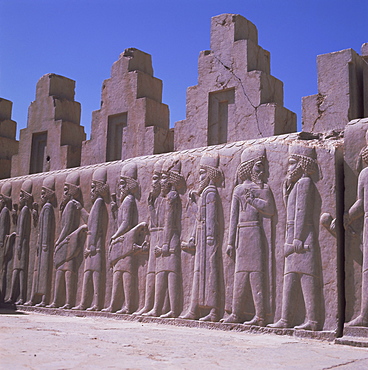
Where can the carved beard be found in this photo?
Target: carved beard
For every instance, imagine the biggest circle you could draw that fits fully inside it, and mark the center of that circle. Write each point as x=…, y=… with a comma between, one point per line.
x=123, y=193
x=293, y=176
x=203, y=184
x=165, y=188
x=155, y=192
x=257, y=178
x=64, y=201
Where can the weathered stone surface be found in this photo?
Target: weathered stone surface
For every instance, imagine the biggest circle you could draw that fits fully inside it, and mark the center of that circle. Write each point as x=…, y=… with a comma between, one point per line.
x=131, y=108
x=53, y=137
x=8, y=144
x=236, y=97
x=341, y=84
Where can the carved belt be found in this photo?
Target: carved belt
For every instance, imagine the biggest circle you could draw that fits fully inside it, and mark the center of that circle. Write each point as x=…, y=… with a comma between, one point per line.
x=248, y=224
x=156, y=228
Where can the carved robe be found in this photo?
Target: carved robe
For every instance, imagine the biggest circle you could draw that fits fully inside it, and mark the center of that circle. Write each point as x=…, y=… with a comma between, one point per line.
x=127, y=219
x=69, y=247
x=4, y=225
x=246, y=228
x=22, y=239
x=156, y=229
x=45, y=243
x=97, y=222
x=299, y=225
x=169, y=215
x=205, y=263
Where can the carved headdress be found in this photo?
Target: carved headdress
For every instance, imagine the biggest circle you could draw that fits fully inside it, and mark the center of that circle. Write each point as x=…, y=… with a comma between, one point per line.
x=129, y=174
x=172, y=168
x=48, y=185
x=72, y=180
x=248, y=158
x=306, y=156
x=99, y=178
x=6, y=193
x=210, y=164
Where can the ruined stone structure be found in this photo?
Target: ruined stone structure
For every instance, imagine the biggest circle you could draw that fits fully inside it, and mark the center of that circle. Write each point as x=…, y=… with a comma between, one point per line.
x=246, y=224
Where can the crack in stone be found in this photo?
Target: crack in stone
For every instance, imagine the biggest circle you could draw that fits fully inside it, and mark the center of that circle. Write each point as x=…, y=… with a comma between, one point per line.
x=320, y=99
x=345, y=363
x=244, y=92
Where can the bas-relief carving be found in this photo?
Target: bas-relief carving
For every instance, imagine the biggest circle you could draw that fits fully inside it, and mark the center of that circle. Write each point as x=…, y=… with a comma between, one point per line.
x=252, y=201
x=45, y=244
x=125, y=242
x=69, y=243
x=359, y=210
x=18, y=287
x=300, y=248
x=5, y=242
x=94, y=253
x=168, y=250
x=204, y=242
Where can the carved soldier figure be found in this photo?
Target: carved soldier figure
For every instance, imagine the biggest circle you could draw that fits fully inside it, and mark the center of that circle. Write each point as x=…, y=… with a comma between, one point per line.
x=123, y=243
x=45, y=244
x=252, y=201
x=357, y=210
x=5, y=223
x=167, y=250
x=95, y=246
x=70, y=241
x=154, y=232
x=300, y=240
x=21, y=249
x=205, y=242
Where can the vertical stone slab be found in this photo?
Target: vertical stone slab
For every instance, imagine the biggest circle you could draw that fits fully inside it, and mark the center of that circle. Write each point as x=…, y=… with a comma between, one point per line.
x=131, y=111
x=8, y=144
x=340, y=98
x=53, y=137
x=236, y=98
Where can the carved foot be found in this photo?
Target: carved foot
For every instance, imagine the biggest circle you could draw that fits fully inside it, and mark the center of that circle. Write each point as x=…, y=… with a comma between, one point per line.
x=66, y=306
x=189, y=316
x=93, y=308
x=309, y=325
x=29, y=303
x=210, y=317
x=52, y=305
x=169, y=315
x=9, y=301
x=19, y=302
x=41, y=304
x=141, y=311
x=80, y=307
x=258, y=321
x=283, y=324
x=153, y=312
x=108, y=309
x=358, y=321
x=233, y=318
x=124, y=311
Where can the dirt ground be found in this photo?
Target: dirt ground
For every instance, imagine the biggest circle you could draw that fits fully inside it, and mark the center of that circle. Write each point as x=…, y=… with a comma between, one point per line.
x=38, y=341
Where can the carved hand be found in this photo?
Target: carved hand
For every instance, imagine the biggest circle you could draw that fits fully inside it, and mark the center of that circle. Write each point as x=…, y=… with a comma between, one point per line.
x=77, y=204
x=165, y=250
x=210, y=240
x=298, y=245
x=114, y=206
x=249, y=197
x=230, y=251
x=86, y=253
x=157, y=251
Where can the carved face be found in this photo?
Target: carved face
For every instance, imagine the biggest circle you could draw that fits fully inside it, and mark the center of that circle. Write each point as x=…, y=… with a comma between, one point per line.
x=204, y=179
x=2, y=202
x=294, y=171
x=43, y=196
x=66, y=190
x=202, y=174
x=257, y=172
x=155, y=184
x=22, y=199
x=123, y=188
x=165, y=184
x=94, y=192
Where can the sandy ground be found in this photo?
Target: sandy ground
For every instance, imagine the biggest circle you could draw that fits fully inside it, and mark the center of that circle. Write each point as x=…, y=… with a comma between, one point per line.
x=38, y=341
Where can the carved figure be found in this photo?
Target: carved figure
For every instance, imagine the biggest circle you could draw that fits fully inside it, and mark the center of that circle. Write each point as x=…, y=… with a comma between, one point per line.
x=154, y=232
x=21, y=249
x=5, y=223
x=96, y=237
x=300, y=240
x=124, y=242
x=205, y=242
x=252, y=201
x=167, y=250
x=70, y=241
x=45, y=244
x=357, y=210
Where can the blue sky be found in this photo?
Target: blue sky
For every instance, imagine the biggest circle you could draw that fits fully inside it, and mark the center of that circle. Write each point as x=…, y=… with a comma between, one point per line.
x=81, y=39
